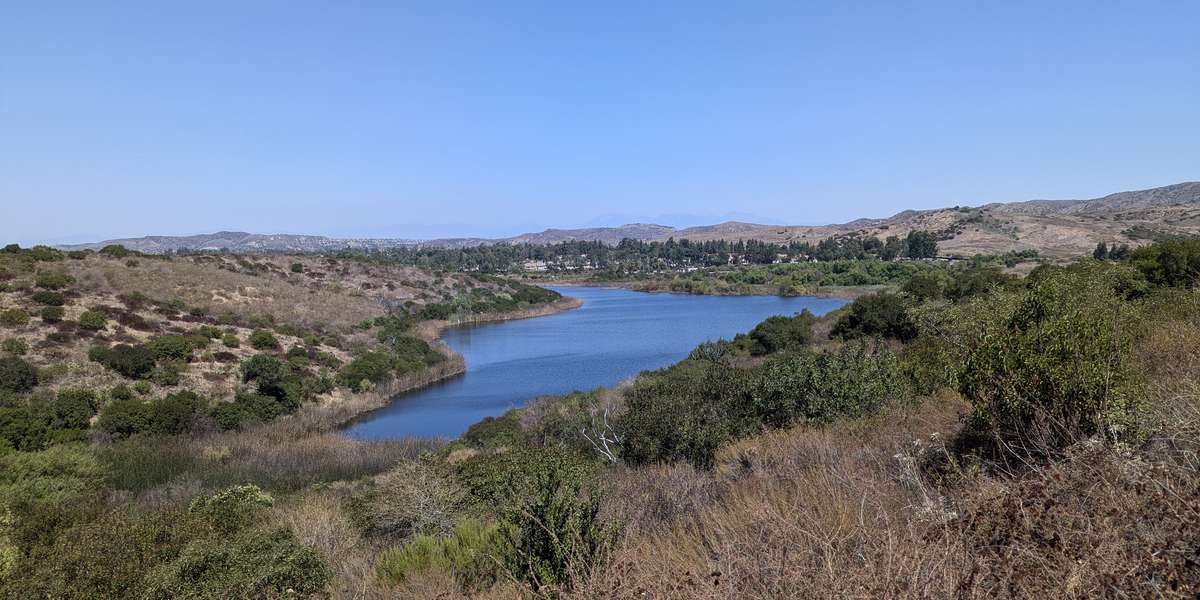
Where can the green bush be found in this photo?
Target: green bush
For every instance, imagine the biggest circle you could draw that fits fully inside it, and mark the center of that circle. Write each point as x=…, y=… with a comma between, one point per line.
x=924, y=286
x=262, y=339
x=232, y=509
x=877, y=315
x=53, y=280
x=92, y=320
x=49, y=298
x=52, y=314
x=782, y=333
x=254, y=564
x=976, y=281
x=73, y=408
x=820, y=387
x=134, y=362
x=685, y=413
x=175, y=413
x=1173, y=263
x=171, y=347
x=115, y=251
x=555, y=535
x=468, y=555
x=16, y=375
x=169, y=553
x=272, y=378
x=14, y=317
x=1053, y=365
x=296, y=268
x=230, y=340
x=246, y=409
x=123, y=418
x=15, y=346
x=372, y=367
x=168, y=373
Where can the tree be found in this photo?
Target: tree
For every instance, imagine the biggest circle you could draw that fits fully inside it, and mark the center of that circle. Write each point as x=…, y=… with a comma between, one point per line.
x=1101, y=251
x=921, y=244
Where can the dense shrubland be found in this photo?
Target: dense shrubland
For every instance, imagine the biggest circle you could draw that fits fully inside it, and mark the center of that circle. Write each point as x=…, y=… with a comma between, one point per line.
x=145, y=437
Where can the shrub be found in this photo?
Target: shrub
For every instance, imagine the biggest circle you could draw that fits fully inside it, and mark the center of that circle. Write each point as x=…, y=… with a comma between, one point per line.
x=131, y=361
x=208, y=332
x=246, y=408
x=413, y=499
x=296, y=268
x=272, y=378
x=171, y=347
x=230, y=340
x=923, y=286
x=233, y=508
x=168, y=374
x=371, y=367
x=820, y=387
x=254, y=564
x=1173, y=263
x=781, y=333
x=115, y=251
x=14, y=317
x=16, y=375
x=15, y=346
x=1053, y=365
x=971, y=282
x=134, y=300
x=53, y=280
x=52, y=314
x=123, y=418
x=877, y=315
x=555, y=534
x=92, y=320
x=73, y=408
x=467, y=555
x=262, y=339
x=685, y=413
x=48, y=298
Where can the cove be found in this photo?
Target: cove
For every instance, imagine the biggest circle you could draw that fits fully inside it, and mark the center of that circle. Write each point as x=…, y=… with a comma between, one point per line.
x=613, y=336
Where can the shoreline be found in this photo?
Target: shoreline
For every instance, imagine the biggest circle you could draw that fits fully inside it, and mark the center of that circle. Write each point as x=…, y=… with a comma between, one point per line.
x=353, y=407
x=840, y=292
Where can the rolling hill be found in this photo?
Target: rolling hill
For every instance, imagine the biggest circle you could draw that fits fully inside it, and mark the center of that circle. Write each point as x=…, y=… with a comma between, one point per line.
x=1055, y=228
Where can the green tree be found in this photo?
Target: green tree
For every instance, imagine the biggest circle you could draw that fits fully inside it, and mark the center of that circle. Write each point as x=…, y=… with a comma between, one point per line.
x=877, y=315
x=921, y=244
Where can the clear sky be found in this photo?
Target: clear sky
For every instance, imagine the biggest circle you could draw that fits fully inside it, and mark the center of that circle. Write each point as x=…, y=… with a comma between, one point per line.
x=405, y=119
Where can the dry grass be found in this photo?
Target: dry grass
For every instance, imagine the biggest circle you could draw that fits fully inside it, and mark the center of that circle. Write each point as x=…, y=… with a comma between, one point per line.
x=847, y=512
x=319, y=521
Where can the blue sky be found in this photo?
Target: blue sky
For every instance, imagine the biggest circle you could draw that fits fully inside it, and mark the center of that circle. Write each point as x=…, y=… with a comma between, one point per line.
x=404, y=119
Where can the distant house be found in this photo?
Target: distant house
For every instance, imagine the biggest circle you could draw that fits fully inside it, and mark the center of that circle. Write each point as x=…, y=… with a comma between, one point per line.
x=534, y=265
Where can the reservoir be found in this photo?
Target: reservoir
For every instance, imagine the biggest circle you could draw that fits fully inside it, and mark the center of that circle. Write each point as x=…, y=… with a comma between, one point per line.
x=615, y=335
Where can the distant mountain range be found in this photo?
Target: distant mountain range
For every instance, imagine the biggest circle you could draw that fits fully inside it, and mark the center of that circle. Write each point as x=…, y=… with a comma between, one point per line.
x=1057, y=228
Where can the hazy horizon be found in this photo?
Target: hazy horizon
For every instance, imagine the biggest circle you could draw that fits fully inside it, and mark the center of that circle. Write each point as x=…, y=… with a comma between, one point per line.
x=462, y=120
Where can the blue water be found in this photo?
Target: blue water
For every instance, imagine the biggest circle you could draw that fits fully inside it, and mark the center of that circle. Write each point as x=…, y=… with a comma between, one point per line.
x=615, y=334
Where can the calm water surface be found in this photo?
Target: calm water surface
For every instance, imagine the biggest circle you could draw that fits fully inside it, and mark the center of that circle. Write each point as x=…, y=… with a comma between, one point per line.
x=615, y=334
